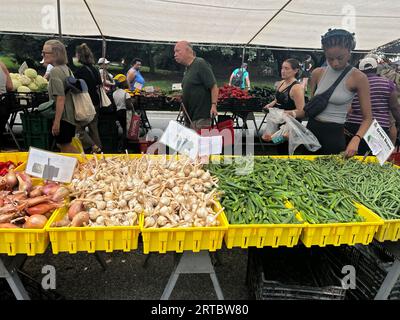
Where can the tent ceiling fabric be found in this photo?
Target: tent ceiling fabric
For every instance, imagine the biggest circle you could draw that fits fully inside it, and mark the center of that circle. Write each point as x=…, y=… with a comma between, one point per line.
x=299, y=25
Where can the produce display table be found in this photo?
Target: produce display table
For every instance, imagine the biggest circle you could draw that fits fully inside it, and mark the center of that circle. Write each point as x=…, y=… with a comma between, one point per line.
x=20, y=102
x=191, y=263
x=394, y=272
x=281, y=201
x=9, y=271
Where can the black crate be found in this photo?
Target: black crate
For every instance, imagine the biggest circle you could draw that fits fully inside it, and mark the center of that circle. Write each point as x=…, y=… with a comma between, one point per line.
x=291, y=274
x=42, y=141
x=36, y=131
x=371, y=264
x=35, y=124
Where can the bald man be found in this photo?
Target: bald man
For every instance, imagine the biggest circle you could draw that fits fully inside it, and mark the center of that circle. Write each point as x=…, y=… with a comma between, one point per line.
x=200, y=90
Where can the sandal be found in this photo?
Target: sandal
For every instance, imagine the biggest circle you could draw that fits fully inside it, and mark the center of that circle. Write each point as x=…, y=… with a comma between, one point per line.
x=96, y=149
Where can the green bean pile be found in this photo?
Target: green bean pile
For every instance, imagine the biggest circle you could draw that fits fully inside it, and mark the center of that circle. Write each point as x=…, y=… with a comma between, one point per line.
x=322, y=190
x=377, y=187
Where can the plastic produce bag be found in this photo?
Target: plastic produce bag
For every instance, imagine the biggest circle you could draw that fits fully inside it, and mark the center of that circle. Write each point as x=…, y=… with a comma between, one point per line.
x=299, y=134
x=272, y=121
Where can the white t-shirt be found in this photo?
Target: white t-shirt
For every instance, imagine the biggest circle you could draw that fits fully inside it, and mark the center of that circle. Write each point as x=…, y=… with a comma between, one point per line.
x=48, y=69
x=120, y=97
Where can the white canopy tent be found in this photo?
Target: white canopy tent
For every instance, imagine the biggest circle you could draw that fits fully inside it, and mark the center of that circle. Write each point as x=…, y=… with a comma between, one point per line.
x=272, y=23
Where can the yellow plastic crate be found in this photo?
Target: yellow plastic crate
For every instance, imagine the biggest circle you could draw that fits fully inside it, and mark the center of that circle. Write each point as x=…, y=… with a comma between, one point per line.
x=342, y=233
x=24, y=241
x=15, y=157
x=390, y=230
x=91, y=239
x=179, y=239
x=263, y=235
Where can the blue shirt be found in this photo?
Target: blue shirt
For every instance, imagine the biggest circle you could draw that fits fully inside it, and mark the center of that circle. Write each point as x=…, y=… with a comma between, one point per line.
x=244, y=76
x=138, y=78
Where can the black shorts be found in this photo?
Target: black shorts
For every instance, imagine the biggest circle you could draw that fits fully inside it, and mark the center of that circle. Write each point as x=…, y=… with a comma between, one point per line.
x=330, y=135
x=67, y=132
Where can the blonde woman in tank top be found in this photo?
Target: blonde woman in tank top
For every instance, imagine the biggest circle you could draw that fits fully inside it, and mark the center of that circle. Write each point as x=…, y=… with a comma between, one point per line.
x=328, y=126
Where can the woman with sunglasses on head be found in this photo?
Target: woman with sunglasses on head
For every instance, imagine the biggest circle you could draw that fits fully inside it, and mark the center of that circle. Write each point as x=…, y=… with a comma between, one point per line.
x=328, y=126
x=63, y=128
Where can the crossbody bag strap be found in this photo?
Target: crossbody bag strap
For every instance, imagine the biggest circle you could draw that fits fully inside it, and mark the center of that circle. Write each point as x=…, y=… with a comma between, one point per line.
x=91, y=72
x=340, y=78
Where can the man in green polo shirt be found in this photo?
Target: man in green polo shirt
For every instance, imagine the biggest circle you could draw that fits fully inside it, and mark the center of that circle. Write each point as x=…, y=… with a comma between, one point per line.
x=199, y=87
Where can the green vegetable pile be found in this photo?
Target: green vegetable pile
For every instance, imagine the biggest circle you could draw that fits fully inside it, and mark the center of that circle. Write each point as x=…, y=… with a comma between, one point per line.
x=324, y=190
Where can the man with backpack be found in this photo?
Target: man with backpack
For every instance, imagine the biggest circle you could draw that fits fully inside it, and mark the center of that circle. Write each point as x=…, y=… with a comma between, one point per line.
x=240, y=77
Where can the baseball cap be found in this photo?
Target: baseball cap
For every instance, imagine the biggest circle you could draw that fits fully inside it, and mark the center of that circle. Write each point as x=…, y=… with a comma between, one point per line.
x=120, y=77
x=368, y=63
x=103, y=60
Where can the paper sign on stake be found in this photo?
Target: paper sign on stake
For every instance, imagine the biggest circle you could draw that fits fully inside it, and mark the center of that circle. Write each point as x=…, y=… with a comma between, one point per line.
x=187, y=141
x=379, y=142
x=181, y=139
x=50, y=166
x=138, y=86
x=176, y=86
x=22, y=68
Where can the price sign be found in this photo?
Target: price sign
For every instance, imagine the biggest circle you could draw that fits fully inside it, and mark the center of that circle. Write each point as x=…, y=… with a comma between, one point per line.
x=50, y=166
x=379, y=142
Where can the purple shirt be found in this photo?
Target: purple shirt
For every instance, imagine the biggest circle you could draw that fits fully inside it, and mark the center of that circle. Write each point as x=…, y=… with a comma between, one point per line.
x=380, y=90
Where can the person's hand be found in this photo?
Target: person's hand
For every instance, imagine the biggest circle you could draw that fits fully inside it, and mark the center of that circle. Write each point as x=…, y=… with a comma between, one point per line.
x=213, y=111
x=291, y=113
x=55, y=130
x=352, y=147
x=267, y=106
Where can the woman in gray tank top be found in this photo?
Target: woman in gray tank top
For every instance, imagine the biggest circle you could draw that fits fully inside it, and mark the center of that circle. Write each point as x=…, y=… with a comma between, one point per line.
x=328, y=126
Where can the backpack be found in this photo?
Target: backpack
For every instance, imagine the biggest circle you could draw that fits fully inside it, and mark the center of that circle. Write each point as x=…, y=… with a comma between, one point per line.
x=237, y=79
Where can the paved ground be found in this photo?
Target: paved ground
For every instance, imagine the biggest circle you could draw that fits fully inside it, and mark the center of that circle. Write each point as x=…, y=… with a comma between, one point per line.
x=80, y=276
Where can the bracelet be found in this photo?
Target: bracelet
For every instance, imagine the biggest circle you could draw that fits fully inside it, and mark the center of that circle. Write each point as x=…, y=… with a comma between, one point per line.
x=358, y=136
x=213, y=103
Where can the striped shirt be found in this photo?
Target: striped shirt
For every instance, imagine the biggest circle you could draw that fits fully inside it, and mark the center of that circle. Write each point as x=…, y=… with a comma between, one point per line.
x=380, y=90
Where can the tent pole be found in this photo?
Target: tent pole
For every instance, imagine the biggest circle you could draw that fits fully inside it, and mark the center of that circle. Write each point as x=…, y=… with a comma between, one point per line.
x=268, y=22
x=59, y=20
x=244, y=51
x=104, y=44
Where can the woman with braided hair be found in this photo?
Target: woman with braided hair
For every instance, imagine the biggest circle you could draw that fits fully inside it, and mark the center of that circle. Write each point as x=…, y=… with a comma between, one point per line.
x=328, y=126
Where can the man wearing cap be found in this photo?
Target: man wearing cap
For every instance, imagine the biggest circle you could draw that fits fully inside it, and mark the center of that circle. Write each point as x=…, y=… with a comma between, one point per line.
x=383, y=102
x=243, y=75
x=123, y=102
x=106, y=77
